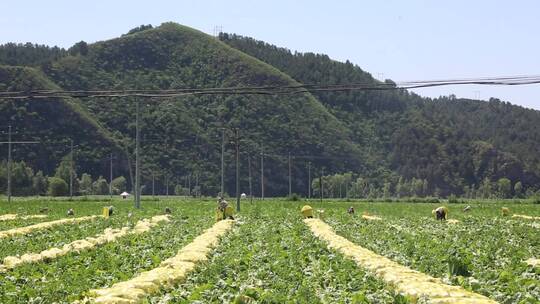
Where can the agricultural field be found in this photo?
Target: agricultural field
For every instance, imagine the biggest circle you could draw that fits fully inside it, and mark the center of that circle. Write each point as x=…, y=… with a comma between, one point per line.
x=268, y=255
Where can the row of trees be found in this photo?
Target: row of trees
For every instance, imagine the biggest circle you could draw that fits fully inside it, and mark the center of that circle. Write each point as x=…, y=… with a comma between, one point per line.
x=25, y=182
x=351, y=186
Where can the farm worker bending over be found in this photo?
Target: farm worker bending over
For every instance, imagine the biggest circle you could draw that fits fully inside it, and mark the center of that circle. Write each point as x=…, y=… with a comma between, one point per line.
x=440, y=213
x=224, y=211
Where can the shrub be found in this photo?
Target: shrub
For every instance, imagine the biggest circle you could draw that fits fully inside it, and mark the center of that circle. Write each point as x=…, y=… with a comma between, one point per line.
x=57, y=187
x=294, y=197
x=452, y=199
x=179, y=190
x=100, y=186
x=432, y=200
x=119, y=185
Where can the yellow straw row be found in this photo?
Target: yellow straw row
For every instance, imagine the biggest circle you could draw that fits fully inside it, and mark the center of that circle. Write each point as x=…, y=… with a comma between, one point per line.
x=371, y=217
x=44, y=225
x=533, y=262
x=10, y=217
x=526, y=217
x=109, y=235
x=413, y=284
x=170, y=272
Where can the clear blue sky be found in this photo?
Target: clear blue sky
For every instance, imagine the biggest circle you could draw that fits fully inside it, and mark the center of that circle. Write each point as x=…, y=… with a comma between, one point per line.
x=401, y=40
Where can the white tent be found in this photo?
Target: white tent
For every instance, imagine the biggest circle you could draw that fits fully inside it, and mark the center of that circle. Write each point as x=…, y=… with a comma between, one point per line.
x=124, y=194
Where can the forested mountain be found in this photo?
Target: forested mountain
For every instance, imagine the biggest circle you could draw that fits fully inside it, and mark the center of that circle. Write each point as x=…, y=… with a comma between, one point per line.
x=181, y=136
x=385, y=139
x=453, y=143
x=54, y=122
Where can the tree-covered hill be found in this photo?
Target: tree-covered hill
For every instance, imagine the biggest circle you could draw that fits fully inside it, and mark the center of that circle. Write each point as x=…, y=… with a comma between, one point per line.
x=53, y=122
x=433, y=139
x=392, y=142
x=181, y=136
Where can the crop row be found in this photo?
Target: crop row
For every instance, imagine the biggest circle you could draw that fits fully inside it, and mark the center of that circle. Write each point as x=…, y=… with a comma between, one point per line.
x=415, y=285
x=274, y=258
x=170, y=271
x=485, y=255
x=109, y=235
x=69, y=277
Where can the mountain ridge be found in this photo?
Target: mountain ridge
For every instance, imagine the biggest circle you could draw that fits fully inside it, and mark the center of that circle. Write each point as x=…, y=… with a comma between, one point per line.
x=379, y=136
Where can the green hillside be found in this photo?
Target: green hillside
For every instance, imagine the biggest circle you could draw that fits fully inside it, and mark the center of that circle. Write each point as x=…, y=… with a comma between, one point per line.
x=182, y=136
x=442, y=140
x=387, y=140
x=54, y=123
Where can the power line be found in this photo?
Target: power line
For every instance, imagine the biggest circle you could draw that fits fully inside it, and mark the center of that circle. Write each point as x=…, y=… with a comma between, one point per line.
x=270, y=90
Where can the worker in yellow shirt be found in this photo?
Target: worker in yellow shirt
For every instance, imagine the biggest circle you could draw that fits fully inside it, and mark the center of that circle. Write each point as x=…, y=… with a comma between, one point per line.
x=224, y=210
x=440, y=213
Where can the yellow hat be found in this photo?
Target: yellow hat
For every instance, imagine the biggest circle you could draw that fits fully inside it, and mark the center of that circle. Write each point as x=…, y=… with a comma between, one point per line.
x=307, y=211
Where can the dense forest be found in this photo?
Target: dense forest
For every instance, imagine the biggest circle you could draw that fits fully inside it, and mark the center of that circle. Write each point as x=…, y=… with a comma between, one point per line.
x=454, y=144
x=363, y=143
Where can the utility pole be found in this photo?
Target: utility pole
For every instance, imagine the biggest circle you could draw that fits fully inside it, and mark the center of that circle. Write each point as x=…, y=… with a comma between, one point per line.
x=290, y=176
x=153, y=184
x=9, y=166
x=321, y=183
x=249, y=178
x=237, y=141
x=222, y=162
x=197, y=193
x=189, y=184
x=262, y=172
x=309, y=180
x=167, y=185
x=137, y=159
x=71, y=171
x=110, y=177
